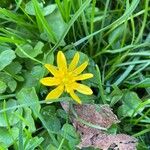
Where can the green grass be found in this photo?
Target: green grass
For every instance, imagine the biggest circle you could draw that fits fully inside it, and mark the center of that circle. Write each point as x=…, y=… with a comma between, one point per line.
x=114, y=35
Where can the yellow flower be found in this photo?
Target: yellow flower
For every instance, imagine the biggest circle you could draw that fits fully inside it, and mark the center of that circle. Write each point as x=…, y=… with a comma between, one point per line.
x=66, y=78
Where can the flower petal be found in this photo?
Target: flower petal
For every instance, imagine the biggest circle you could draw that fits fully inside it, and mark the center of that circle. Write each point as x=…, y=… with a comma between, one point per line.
x=55, y=93
x=50, y=81
x=52, y=69
x=82, y=88
x=74, y=62
x=84, y=76
x=79, y=69
x=61, y=61
x=75, y=97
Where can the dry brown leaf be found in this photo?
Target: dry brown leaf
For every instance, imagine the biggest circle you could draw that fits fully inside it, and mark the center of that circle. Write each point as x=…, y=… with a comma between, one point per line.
x=105, y=141
x=101, y=116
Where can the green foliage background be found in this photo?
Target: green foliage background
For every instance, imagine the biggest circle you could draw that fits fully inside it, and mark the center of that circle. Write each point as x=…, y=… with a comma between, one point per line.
x=113, y=35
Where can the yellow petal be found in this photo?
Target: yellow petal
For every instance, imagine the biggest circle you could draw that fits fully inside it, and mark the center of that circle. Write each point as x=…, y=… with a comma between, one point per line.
x=79, y=69
x=52, y=69
x=82, y=88
x=84, y=76
x=74, y=62
x=50, y=81
x=54, y=94
x=61, y=61
x=75, y=97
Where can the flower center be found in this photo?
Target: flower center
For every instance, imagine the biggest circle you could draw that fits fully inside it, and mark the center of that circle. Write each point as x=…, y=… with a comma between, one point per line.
x=65, y=80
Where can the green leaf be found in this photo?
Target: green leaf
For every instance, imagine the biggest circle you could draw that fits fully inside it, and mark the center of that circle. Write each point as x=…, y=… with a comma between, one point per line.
x=57, y=25
x=130, y=102
x=52, y=122
x=27, y=48
x=49, y=58
x=116, y=95
x=12, y=115
x=10, y=82
x=4, y=47
x=29, y=121
x=6, y=57
x=3, y=87
x=51, y=147
x=62, y=113
x=13, y=70
x=8, y=137
x=12, y=85
x=38, y=48
x=32, y=78
x=29, y=8
x=47, y=140
x=33, y=143
x=3, y=146
x=49, y=9
x=69, y=133
x=28, y=96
